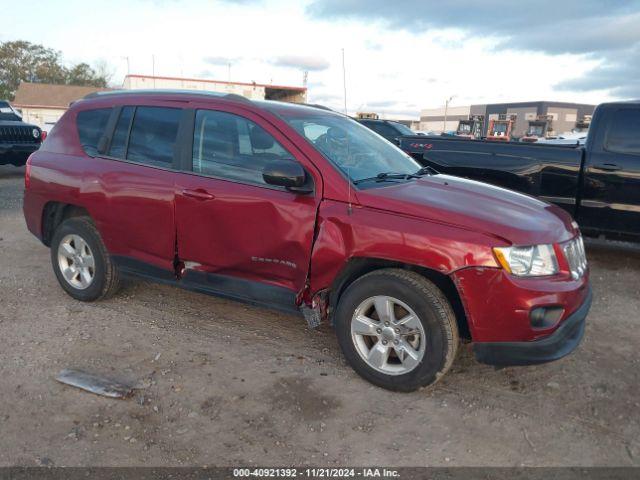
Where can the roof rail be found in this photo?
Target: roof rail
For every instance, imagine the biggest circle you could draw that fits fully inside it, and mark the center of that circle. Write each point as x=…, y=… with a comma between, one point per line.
x=225, y=96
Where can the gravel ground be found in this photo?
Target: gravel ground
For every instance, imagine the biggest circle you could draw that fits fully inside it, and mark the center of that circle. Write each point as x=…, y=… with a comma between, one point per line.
x=228, y=384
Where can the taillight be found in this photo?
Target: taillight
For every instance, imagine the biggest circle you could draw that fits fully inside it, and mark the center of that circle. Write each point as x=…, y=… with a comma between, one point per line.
x=27, y=173
x=43, y=136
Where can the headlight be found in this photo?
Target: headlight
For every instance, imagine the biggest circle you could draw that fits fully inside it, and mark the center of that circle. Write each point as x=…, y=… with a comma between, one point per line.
x=533, y=261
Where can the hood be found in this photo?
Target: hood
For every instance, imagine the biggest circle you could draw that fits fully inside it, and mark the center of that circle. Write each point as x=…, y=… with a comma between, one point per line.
x=17, y=123
x=471, y=205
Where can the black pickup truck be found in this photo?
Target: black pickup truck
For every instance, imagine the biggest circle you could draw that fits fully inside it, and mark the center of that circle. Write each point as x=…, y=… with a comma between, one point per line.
x=598, y=183
x=18, y=140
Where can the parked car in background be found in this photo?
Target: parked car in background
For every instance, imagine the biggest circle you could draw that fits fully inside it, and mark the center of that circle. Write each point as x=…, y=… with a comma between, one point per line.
x=303, y=209
x=388, y=129
x=598, y=183
x=18, y=140
x=568, y=138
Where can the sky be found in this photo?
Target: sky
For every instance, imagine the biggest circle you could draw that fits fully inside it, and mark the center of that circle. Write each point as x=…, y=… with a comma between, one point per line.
x=400, y=56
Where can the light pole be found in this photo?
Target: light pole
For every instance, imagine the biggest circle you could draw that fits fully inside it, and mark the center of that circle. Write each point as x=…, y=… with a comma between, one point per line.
x=446, y=108
x=128, y=65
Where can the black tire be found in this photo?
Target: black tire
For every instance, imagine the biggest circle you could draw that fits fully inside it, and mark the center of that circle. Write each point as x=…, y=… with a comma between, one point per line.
x=430, y=306
x=106, y=278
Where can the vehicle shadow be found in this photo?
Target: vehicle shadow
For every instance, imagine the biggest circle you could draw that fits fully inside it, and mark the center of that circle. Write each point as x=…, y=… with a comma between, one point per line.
x=616, y=254
x=9, y=171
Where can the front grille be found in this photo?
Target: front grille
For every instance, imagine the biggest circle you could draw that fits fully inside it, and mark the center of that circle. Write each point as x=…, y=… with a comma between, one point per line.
x=17, y=135
x=576, y=257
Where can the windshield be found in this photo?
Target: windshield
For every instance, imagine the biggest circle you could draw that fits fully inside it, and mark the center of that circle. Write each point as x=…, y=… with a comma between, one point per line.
x=8, y=113
x=536, y=130
x=464, y=128
x=357, y=151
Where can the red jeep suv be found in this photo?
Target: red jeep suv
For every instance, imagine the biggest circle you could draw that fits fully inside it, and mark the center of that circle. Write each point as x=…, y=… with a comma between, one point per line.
x=302, y=209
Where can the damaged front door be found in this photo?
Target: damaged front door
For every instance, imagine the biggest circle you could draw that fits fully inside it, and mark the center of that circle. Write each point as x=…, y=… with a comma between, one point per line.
x=238, y=235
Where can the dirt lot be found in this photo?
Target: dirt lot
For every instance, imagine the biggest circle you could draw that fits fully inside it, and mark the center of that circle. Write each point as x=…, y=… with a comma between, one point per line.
x=236, y=385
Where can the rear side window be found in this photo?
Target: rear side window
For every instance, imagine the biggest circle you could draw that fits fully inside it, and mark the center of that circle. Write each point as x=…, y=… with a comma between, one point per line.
x=153, y=135
x=624, y=132
x=91, y=126
x=383, y=129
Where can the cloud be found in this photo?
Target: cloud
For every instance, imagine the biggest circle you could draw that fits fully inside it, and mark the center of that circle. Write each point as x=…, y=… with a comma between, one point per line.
x=325, y=97
x=495, y=17
x=587, y=35
x=301, y=62
x=619, y=73
x=606, y=31
x=220, y=60
x=373, y=45
x=381, y=104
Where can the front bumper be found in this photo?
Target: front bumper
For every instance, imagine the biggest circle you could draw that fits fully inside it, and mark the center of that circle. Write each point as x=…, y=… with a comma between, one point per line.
x=557, y=345
x=16, y=154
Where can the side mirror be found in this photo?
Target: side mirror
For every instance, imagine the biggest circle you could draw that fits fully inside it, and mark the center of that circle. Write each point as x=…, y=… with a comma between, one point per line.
x=288, y=174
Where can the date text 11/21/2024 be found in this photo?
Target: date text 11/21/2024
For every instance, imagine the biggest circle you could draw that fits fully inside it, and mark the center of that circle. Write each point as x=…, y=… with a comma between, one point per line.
x=316, y=472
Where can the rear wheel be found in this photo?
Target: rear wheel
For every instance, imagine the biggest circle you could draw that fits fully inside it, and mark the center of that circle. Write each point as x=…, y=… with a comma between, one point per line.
x=397, y=329
x=80, y=261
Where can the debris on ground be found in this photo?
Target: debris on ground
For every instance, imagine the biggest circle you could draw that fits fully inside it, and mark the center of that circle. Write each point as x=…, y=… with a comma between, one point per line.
x=94, y=383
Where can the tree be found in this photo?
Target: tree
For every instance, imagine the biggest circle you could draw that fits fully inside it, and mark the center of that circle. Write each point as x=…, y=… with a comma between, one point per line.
x=83, y=74
x=22, y=61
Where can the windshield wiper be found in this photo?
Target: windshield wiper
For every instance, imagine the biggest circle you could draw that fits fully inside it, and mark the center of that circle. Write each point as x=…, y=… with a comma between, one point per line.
x=384, y=176
x=427, y=171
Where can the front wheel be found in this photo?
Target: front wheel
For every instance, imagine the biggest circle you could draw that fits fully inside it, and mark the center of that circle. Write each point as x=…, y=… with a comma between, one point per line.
x=397, y=329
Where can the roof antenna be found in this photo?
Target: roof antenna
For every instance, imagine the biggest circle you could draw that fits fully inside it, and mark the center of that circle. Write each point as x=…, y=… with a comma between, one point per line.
x=344, y=88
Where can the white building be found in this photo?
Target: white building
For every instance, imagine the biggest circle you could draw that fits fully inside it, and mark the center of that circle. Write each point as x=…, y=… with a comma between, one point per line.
x=443, y=119
x=254, y=91
x=43, y=104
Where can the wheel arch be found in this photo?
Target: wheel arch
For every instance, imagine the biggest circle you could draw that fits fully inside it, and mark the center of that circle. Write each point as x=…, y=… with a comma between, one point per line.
x=357, y=267
x=54, y=213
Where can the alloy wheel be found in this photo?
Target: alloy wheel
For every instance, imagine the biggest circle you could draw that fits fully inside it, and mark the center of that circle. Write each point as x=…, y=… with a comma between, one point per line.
x=76, y=261
x=388, y=335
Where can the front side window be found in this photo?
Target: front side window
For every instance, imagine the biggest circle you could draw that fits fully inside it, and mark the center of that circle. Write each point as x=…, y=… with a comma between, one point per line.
x=624, y=132
x=91, y=125
x=153, y=135
x=354, y=149
x=232, y=147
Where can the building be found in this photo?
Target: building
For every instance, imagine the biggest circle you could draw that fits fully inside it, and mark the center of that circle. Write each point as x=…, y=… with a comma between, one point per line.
x=254, y=91
x=445, y=119
x=412, y=123
x=563, y=115
x=43, y=104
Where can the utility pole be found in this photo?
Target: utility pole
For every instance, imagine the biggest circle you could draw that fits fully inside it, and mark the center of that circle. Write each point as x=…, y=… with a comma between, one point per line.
x=153, y=69
x=446, y=108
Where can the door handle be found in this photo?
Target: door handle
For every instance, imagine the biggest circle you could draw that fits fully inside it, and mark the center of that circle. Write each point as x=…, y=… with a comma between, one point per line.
x=198, y=194
x=607, y=167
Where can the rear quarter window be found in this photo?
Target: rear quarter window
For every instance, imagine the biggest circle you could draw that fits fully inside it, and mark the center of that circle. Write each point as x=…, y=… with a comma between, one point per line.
x=623, y=135
x=91, y=127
